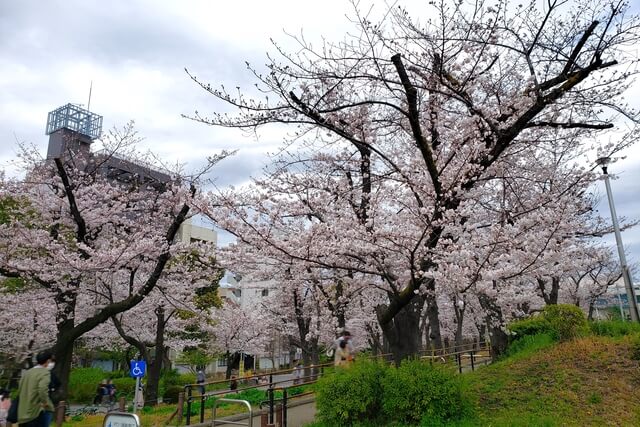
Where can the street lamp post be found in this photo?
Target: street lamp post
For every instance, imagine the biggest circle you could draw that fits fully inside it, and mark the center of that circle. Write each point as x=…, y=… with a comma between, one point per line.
x=626, y=276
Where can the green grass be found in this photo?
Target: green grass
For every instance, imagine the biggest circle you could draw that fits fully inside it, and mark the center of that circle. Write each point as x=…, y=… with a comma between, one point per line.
x=614, y=328
x=588, y=381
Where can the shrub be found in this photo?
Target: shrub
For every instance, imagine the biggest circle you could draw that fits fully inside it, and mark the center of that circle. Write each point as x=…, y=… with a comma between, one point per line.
x=125, y=387
x=566, y=321
x=529, y=344
x=253, y=396
x=171, y=394
x=421, y=391
x=351, y=394
x=184, y=379
x=530, y=326
x=83, y=383
x=294, y=391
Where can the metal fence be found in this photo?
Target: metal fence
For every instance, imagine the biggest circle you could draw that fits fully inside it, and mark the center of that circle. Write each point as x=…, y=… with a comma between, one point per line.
x=464, y=357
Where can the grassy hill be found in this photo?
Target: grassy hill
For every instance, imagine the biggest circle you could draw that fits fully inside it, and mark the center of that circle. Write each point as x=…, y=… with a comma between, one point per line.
x=591, y=381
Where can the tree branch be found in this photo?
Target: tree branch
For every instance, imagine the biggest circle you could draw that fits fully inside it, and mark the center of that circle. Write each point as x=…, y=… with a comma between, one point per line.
x=570, y=125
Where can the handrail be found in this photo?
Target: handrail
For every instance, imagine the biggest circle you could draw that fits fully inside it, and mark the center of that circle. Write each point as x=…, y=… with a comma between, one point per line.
x=215, y=406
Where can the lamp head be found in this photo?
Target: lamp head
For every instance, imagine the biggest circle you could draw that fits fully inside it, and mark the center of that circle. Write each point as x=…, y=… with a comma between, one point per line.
x=603, y=162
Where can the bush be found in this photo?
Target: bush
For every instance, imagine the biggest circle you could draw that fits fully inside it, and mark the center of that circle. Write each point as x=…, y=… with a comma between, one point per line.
x=184, y=379
x=421, y=391
x=530, y=344
x=171, y=394
x=83, y=383
x=351, y=394
x=125, y=387
x=614, y=328
x=253, y=396
x=530, y=326
x=566, y=321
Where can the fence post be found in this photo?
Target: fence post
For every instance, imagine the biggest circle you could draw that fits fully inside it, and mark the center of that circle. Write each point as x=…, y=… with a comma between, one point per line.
x=284, y=408
x=202, y=408
x=473, y=368
x=180, y=406
x=271, y=408
x=60, y=409
x=188, y=388
x=459, y=358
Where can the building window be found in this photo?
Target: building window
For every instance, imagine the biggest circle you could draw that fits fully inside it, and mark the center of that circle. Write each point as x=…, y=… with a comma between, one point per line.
x=222, y=362
x=265, y=292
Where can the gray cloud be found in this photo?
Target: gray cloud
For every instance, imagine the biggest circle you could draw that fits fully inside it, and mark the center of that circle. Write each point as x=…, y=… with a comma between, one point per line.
x=134, y=51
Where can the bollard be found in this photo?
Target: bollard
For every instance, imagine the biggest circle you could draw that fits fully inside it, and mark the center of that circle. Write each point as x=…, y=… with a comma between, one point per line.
x=180, y=406
x=122, y=404
x=279, y=415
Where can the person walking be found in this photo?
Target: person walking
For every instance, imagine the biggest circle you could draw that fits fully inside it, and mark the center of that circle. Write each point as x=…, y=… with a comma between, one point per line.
x=343, y=355
x=33, y=393
x=201, y=378
x=5, y=404
x=54, y=392
x=111, y=392
x=343, y=349
x=297, y=374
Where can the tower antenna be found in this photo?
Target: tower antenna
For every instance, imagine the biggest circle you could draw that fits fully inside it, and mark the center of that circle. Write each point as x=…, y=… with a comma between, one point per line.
x=89, y=102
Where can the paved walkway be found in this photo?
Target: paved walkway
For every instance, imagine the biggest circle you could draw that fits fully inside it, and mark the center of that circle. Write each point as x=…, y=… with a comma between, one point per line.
x=297, y=416
x=302, y=413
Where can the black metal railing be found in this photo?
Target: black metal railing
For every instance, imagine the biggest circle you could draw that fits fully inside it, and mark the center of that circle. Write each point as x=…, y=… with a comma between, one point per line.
x=465, y=357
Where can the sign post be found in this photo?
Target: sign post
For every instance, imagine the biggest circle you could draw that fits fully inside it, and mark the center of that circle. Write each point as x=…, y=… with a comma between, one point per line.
x=138, y=369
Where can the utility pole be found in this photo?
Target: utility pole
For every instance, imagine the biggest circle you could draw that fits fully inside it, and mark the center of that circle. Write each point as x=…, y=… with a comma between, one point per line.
x=626, y=275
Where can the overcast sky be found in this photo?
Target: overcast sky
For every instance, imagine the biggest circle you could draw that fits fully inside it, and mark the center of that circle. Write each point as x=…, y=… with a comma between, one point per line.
x=135, y=52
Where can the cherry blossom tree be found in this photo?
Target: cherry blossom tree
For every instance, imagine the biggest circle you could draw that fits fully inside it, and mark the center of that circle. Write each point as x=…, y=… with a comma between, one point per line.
x=234, y=330
x=421, y=117
x=87, y=244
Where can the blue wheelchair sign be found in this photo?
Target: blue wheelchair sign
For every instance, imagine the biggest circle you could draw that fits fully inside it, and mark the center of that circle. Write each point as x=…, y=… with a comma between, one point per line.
x=138, y=368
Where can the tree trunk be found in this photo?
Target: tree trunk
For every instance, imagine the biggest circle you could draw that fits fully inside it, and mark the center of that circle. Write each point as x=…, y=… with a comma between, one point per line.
x=591, y=310
x=63, y=351
x=495, y=324
x=403, y=331
x=482, y=333
x=426, y=333
x=551, y=296
x=155, y=365
x=231, y=360
x=433, y=315
x=374, y=339
x=459, y=312
x=63, y=348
